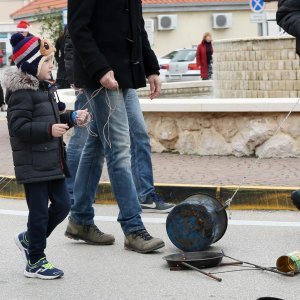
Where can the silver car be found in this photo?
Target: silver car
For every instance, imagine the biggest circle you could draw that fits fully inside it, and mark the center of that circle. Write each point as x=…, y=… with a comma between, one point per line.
x=183, y=67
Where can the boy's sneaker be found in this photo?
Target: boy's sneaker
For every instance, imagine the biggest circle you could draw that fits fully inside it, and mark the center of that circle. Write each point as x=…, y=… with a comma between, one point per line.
x=295, y=196
x=22, y=243
x=156, y=204
x=141, y=241
x=43, y=270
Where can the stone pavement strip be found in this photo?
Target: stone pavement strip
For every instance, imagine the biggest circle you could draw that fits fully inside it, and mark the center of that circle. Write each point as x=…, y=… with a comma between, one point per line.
x=198, y=170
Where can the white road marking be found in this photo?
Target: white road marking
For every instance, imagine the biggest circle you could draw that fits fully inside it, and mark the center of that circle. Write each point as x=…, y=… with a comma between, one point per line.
x=163, y=220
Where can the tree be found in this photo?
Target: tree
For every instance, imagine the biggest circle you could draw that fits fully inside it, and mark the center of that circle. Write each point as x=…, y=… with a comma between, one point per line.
x=51, y=23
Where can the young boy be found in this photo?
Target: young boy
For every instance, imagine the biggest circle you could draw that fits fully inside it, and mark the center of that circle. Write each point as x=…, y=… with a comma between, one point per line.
x=36, y=130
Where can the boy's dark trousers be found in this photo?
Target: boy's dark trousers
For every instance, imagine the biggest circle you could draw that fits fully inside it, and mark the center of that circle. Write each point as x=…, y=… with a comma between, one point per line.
x=43, y=218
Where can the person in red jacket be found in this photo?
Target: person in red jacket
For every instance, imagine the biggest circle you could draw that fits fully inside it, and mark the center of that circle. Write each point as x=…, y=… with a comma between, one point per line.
x=204, y=57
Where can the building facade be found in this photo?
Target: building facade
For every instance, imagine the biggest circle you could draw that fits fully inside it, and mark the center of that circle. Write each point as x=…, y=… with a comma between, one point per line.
x=7, y=25
x=174, y=24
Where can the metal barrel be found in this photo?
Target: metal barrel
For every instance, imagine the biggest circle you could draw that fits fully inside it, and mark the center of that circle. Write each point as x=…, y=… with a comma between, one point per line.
x=196, y=223
x=289, y=263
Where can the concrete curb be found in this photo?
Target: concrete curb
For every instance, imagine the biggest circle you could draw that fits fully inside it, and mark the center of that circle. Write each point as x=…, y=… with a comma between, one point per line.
x=248, y=198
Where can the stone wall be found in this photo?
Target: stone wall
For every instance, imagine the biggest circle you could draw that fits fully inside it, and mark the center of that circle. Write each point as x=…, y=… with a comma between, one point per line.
x=256, y=68
x=238, y=134
x=179, y=89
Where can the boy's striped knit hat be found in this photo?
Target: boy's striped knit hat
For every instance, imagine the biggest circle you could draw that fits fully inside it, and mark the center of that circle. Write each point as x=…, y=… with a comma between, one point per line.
x=29, y=53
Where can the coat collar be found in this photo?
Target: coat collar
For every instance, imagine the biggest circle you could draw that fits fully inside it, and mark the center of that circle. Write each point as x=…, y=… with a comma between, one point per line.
x=14, y=79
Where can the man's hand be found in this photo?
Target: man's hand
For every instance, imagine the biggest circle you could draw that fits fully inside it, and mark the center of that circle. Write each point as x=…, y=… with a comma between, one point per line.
x=58, y=130
x=155, y=86
x=108, y=81
x=82, y=117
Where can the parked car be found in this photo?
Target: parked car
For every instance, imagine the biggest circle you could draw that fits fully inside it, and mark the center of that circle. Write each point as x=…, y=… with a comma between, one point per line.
x=183, y=67
x=164, y=60
x=164, y=63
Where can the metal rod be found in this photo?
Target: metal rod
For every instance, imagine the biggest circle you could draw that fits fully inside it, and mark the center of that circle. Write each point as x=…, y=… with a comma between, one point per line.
x=200, y=271
x=231, y=264
x=290, y=274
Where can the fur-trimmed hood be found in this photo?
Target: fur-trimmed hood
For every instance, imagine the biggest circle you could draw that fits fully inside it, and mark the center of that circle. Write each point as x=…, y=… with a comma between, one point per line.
x=14, y=79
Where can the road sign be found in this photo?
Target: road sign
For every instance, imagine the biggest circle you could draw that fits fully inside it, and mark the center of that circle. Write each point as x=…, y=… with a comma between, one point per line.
x=258, y=18
x=257, y=6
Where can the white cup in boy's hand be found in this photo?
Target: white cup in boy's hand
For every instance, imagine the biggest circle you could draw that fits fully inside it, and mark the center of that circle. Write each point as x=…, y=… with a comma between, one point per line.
x=82, y=117
x=58, y=130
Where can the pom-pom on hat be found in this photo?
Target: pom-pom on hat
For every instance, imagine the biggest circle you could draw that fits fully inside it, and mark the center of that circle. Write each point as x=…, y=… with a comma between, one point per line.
x=29, y=53
x=23, y=26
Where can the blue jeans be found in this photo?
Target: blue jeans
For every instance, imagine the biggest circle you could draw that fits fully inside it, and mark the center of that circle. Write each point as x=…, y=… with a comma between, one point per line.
x=76, y=145
x=141, y=164
x=114, y=139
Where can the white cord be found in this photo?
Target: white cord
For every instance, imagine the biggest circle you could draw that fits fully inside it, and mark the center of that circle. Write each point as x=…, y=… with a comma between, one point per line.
x=111, y=111
x=228, y=202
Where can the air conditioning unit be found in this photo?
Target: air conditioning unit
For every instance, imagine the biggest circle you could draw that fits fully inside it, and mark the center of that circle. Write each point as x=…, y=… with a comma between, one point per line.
x=166, y=22
x=222, y=21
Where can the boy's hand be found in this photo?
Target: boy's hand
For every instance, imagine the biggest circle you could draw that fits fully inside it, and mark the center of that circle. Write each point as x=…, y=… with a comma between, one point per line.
x=82, y=117
x=58, y=130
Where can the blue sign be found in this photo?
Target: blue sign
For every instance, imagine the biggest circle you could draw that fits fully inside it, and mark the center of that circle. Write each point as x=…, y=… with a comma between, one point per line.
x=257, y=6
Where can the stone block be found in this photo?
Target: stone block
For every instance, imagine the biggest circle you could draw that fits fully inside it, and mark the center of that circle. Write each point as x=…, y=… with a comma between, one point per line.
x=297, y=85
x=167, y=132
x=255, y=131
x=280, y=145
x=292, y=54
x=213, y=143
x=187, y=143
x=156, y=146
x=284, y=54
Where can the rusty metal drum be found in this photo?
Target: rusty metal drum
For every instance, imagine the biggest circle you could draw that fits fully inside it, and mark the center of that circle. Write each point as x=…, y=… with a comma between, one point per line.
x=196, y=223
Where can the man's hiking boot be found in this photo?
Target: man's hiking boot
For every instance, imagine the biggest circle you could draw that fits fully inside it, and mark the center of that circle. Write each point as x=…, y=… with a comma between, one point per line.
x=141, y=241
x=90, y=234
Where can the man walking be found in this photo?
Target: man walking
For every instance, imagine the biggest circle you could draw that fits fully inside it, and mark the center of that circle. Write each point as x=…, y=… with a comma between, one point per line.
x=112, y=51
x=288, y=17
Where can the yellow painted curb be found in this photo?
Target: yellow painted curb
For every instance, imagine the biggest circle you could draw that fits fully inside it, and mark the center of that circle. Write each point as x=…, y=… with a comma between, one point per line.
x=248, y=198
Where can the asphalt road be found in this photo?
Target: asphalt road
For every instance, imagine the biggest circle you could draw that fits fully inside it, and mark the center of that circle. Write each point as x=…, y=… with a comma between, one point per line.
x=110, y=272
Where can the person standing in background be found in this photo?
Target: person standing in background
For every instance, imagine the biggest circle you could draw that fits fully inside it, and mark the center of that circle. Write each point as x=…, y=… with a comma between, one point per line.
x=2, y=104
x=61, y=77
x=23, y=28
x=204, y=57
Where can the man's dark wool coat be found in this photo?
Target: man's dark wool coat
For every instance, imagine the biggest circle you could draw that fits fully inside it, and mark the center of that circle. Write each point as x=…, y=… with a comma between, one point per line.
x=110, y=35
x=288, y=17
